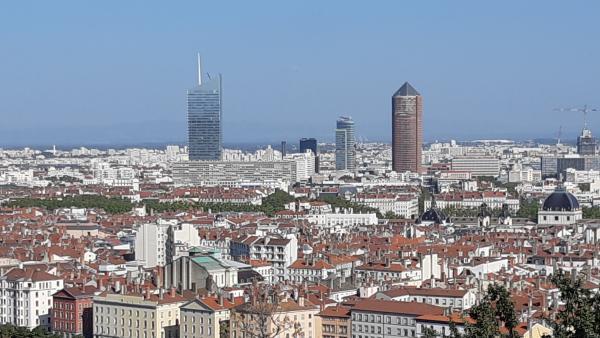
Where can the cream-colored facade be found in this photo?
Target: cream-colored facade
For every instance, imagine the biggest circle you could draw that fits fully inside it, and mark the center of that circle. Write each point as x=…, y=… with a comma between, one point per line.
x=203, y=317
x=137, y=315
x=294, y=318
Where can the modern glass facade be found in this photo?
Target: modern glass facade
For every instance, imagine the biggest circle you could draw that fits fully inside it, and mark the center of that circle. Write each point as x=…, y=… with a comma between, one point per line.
x=205, y=131
x=345, y=152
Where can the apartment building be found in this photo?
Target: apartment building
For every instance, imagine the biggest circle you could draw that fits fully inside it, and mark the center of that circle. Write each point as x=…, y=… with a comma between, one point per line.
x=372, y=318
x=295, y=319
x=454, y=299
x=137, y=315
x=334, y=322
x=280, y=252
x=309, y=269
x=203, y=317
x=72, y=311
x=26, y=297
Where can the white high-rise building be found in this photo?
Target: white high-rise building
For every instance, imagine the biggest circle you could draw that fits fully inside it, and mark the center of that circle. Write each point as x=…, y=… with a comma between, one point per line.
x=305, y=164
x=151, y=243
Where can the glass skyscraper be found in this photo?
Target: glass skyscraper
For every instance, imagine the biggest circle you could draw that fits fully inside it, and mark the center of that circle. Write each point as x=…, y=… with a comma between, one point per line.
x=345, y=152
x=205, y=130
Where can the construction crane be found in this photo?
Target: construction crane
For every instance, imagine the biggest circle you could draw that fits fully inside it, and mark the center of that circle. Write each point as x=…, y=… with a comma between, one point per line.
x=585, y=110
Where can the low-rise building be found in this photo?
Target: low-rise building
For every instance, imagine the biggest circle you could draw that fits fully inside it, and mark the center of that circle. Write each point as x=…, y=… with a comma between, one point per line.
x=137, y=315
x=387, y=318
x=72, y=311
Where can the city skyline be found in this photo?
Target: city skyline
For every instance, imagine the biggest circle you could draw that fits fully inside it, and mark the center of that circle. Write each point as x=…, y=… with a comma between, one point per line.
x=70, y=95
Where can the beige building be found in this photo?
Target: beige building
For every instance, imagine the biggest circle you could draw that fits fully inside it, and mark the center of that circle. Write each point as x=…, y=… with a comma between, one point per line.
x=203, y=317
x=288, y=318
x=137, y=315
x=334, y=322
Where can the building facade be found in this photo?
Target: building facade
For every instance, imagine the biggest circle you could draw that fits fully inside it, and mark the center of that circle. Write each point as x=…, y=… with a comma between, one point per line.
x=205, y=130
x=310, y=144
x=345, y=152
x=26, y=297
x=137, y=315
x=72, y=311
x=477, y=165
x=407, y=129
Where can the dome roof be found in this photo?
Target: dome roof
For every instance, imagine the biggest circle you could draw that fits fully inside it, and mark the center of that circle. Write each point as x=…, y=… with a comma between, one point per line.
x=560, y=200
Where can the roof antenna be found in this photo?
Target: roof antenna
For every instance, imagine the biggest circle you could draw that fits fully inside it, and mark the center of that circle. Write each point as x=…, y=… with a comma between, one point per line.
x=199, y=71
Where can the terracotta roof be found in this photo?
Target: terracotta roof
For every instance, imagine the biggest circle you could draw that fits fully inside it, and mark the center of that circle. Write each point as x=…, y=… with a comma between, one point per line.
x=29, y=275
x=392, y=306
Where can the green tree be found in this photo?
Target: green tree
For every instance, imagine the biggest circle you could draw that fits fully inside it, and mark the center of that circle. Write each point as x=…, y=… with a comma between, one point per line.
x=580, y=315
x=528, y=208
x=495, y=308
x=429, y=333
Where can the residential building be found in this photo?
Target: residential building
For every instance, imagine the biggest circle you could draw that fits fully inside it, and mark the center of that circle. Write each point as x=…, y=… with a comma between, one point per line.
x=280, y=252
x=72, y=311
x=455, y=299
x=205, y=127
x=203, y=317
x=407, y=129
x=334, y=322
x=26, y=297
x=151, y=241
x=385, y=318
x=294, y=319
x=310, y=269
x=345, y=151
x=145, y=315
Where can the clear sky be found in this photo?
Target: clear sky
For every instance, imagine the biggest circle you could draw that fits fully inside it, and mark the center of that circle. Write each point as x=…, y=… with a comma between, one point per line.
x=117, y=71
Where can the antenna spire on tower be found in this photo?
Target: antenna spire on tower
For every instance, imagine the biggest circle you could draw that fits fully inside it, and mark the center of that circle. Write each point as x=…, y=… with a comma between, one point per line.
x=199, y=70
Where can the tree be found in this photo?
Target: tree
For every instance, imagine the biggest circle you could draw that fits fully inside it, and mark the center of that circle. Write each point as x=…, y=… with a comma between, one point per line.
x=495, y=308
x=263, y=316
x=580, y=315
x=429, y=333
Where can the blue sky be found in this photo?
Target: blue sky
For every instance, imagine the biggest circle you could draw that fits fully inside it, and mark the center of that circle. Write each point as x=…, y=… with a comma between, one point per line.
x=117, y=71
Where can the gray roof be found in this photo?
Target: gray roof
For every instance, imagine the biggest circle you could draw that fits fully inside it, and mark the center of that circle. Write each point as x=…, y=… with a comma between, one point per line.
x=406, y=90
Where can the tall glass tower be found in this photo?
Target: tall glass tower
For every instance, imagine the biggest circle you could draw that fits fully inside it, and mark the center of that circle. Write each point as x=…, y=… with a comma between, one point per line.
x=205, y=130
x=345, y=152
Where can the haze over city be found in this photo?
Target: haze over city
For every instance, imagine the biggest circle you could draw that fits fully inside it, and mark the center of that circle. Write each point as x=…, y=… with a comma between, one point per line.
x=117, y=72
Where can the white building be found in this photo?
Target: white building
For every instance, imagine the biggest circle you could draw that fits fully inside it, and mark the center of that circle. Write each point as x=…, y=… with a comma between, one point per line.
x=279, y=252
x=347, y=219
x=477, y=165
x=26, y=297
x=405, y=205
x=151, y=243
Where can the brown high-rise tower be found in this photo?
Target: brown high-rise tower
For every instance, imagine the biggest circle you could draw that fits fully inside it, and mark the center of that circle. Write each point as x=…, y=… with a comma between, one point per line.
x=407, y=129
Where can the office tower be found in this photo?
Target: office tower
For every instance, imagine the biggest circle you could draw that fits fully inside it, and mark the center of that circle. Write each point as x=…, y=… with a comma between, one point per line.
x=205, y=131
x=586, y=143
x=407, y=129
x=345, y=151
x=310, y=144
x=283, y=149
